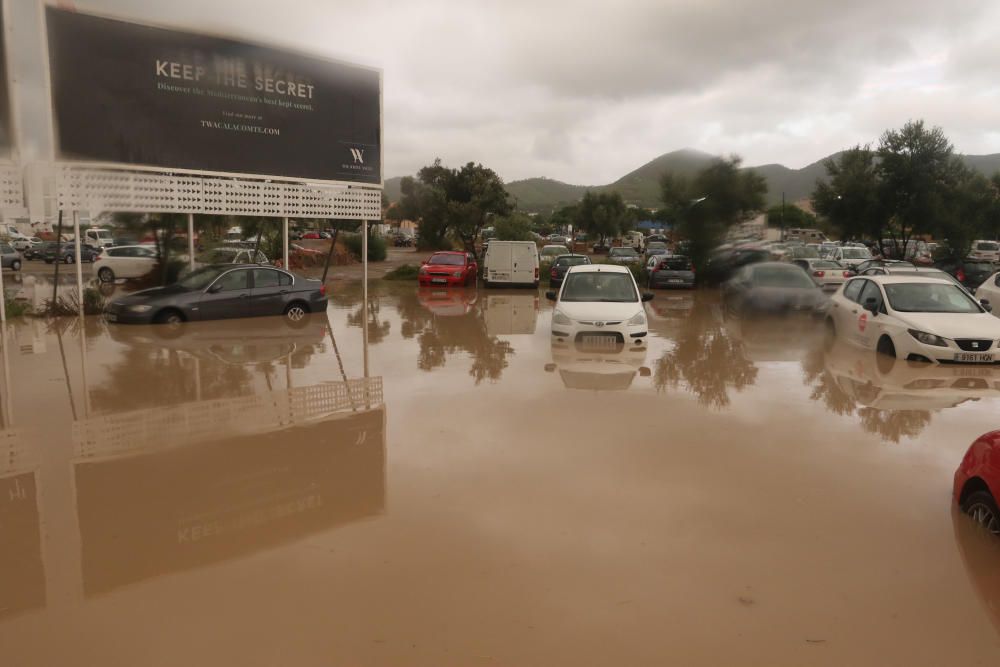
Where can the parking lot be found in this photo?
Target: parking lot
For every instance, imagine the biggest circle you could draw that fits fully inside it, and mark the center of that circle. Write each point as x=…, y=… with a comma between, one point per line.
x=734, y=493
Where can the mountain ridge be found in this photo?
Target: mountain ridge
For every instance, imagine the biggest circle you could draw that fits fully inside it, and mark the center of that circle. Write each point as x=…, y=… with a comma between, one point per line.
x=641, y=186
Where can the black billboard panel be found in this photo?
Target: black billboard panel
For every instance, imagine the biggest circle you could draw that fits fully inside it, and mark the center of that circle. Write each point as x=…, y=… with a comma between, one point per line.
x=138, y=95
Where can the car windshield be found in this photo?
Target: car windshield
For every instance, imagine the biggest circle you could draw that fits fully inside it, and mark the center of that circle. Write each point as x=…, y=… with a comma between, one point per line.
x=599, y=286
x=781, y=276
x=856, y=253
x=448, y=260
x=554, y=250
x=929, y=298
x=201, y=278
x=572, y=261
x=623, y=252
x=656, y=245
x=988, y=246
x=805, y=252
x=826, y=265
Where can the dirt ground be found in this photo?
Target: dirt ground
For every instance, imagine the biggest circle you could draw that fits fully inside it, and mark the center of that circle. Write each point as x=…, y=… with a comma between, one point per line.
x=459, y=492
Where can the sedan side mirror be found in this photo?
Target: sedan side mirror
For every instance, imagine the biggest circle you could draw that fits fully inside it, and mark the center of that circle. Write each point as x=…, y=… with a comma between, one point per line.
x=871, y=304
x=647, y=296
x=986, y=305
x=550, y=295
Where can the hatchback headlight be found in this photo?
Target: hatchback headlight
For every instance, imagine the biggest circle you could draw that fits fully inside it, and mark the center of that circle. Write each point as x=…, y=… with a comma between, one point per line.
x=637, y=319
x=142, y=308
x=928, y=338
x=457, y=274
x=559, y=317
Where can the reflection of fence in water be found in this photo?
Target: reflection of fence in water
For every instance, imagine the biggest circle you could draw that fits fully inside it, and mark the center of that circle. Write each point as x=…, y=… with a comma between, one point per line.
x=13, y=452
x=108, y=436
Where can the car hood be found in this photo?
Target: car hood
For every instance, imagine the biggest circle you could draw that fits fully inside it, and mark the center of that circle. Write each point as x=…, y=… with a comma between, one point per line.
x=954, y=325
x=590, y=311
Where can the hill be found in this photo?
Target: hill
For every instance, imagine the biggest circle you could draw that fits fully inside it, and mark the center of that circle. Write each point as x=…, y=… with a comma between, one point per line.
x=642, y=186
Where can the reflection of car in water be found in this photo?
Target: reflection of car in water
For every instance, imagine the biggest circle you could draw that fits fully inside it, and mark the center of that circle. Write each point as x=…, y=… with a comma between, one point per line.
x=600, y=371
x=980, y=554
x=230, y=341
x=774, y=339
x=447, y=301
x=508, y=314
x=900, y=385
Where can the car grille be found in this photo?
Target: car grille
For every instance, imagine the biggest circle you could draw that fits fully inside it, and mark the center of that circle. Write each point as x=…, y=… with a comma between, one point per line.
x=973, y=345
x=594, y=323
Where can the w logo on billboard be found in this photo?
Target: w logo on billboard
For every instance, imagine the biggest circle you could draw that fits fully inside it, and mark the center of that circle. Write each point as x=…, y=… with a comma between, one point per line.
x=359, y=155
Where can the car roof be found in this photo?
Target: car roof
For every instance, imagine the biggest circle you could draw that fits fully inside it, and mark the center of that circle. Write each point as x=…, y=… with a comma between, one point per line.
x=603, y=268
x=895, y=280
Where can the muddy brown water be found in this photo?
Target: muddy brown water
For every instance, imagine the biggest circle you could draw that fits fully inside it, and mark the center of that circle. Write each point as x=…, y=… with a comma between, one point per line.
x=242, y=493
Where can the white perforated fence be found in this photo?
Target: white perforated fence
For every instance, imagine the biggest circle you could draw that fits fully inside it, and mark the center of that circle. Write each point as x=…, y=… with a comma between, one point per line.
x=125, y=433
x=104, y=189
x=11, y=187
x=14, y=455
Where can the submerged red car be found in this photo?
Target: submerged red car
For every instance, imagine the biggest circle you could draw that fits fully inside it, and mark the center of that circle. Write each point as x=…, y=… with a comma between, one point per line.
x=977, y=482
x=453, y=269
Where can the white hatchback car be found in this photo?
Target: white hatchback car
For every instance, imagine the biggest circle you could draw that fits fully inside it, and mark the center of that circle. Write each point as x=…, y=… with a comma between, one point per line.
x=913, y=318
x=599, y=308
x=126, y=261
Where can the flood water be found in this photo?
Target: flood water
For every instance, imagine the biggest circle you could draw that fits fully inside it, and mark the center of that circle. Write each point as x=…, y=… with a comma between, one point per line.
x=458, y=492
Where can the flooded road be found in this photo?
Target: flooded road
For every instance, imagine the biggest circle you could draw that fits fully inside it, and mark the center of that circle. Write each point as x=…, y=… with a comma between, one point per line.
x=463, y=493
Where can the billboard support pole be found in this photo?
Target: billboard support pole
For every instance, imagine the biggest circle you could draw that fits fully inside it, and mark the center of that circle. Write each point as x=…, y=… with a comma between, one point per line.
x=77, y=245
x=364, y=279
x=333, y=244
x=191, y=241
x=284, y=244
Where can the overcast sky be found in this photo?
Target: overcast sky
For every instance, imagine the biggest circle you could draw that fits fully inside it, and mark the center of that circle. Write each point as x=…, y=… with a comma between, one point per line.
x=586, y=91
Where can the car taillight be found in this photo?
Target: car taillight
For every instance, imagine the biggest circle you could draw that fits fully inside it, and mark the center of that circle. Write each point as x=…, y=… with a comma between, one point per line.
x=322, y=289
x=554, y=273
x=847, y=274
x=819, y=274
x=960, y=275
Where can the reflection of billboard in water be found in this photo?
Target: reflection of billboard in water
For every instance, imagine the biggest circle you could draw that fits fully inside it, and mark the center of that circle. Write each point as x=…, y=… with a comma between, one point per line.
x=150, y=514
x=22, y=576
x=137, y=95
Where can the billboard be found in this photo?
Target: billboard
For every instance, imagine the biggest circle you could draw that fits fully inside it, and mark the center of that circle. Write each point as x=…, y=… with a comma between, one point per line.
x=130, y=94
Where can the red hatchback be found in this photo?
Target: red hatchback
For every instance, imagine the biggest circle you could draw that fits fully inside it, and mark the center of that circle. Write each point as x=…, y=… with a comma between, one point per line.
x=977, y=482
x=449, y=268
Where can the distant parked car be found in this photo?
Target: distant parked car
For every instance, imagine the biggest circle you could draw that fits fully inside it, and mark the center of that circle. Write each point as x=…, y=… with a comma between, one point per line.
x=626, y=255
x=23, y=244
x=550, y=252
x=864, y=266
x=312, y=235
x=656, y=248
x=38, y=251
x=970, y=272
x=656, y=238
x=988, y=250
x=770, y=288
x=601, y=248
x=826, y=273
x=673, y=271
x=9, y=258
x=977, y=482
x=849, y=256
x=561, y=265
x=449, y=268
x=133, y=261
x=67, y=253
x=230, y=255
x=221, y=292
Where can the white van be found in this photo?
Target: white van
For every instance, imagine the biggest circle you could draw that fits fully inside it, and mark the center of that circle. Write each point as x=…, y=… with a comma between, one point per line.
x=511, y=263
x=988, y=250
x=96, y=237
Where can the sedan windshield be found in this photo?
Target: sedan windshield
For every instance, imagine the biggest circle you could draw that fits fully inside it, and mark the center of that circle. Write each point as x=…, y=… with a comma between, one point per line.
x=930, y=298
x=598, y=286
x=856, y=253
x=201, y=278
x=572, y=261
x=448, y=260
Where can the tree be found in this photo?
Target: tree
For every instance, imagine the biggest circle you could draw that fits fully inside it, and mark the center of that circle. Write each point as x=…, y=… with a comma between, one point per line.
x=514, y=227
x=602, y=215
x=850, y=198
x=456, y=202
x=790, y=215
x=706, y=206
x=562, y=218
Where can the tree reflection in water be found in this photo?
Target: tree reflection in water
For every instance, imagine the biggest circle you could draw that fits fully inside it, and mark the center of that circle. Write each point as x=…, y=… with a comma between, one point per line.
x=707, y=361
x=442, y=335
x=377, y=329
x=889, y=425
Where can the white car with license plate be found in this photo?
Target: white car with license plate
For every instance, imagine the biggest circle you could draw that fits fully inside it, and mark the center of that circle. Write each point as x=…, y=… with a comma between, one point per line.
x=128, y=261
x=914, y=318
x=599, y=308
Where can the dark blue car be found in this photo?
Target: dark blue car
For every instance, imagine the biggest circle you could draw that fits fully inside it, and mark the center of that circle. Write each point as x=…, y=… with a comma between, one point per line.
x=220, y=292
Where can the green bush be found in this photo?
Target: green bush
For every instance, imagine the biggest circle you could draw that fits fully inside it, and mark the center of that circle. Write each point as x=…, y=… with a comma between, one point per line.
x=16, y=308
x=69, y=304
x=404, y=272
x=641, y=275
x=377, y=249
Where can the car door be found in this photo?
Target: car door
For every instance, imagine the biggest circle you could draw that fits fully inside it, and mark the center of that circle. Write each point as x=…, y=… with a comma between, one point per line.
x=870, y=326
x=471, y=267
x=990, y=291
x=227, y=297
x=523, y=262
x=845, y=308
x=267, y=295
x=143, y=261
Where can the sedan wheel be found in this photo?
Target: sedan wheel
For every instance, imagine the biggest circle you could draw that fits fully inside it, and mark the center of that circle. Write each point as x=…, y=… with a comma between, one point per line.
x=106, y=275
x=69, y=259
x=296, y=313
x=983, y=510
